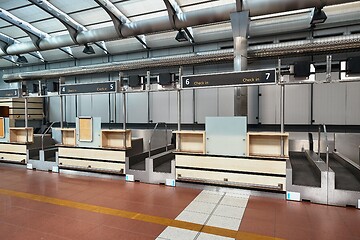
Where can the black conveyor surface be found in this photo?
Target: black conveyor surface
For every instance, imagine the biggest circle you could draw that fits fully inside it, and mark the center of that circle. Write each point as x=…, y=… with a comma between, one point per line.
x=303, y=171
x=344, y=178
x=164, y=168
x=138, y=166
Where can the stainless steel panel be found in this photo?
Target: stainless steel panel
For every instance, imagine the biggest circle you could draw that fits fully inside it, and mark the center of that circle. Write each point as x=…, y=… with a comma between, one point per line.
x=348, y=144
x=100, y=107
x=84, y=105
x=253, y=105
x=173, y=107
x=353, y=103
x=206, y=104
x=298, y=104
x=119, y=108
x=269, y=104
x=160, y=106
x=187, y=100
x=158, y=139
x=330, y=103
x=226, y=101
x=54, y=109
x=70, y=109
x=299, y=141
x=137, y=110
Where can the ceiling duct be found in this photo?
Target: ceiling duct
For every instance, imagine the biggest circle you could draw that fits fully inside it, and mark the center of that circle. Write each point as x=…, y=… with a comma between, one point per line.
x=313, y=46
x=160, y=24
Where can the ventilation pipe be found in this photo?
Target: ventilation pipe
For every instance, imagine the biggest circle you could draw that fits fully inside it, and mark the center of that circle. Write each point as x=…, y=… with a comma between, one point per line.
x=160, y=24
x=314, y=46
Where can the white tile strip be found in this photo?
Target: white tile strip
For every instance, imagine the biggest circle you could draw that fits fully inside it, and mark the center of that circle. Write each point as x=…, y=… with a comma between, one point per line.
x=218, y=209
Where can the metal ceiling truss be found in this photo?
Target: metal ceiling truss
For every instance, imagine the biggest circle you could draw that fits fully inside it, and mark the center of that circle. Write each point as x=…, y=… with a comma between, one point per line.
x=209, y=15
x=119, y=19
x=176, y=14
x=11, y=59
x=6, y=41
x=73, y=27
x=35, y=34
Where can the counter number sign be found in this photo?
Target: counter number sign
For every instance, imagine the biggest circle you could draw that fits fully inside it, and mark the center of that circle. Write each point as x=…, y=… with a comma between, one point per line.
x=232, y=78
x=102, y=87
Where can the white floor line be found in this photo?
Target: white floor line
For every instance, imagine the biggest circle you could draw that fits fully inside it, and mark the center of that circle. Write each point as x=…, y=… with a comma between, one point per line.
x=218, y=209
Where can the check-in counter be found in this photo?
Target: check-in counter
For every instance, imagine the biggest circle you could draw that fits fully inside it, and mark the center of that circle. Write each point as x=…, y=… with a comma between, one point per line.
x=87, y=147
x=225, y=154
x=15, y=143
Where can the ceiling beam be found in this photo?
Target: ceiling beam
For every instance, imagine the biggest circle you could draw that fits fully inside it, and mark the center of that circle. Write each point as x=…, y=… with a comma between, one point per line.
x=6, y=41
x=35, y=34
x=119, y=19
x=73, y=27
x=11, y=59
x=175, y=14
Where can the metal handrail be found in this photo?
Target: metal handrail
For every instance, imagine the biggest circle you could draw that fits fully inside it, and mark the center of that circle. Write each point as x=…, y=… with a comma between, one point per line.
x=326, y=141
x=327, y=146
x=42, y=135
x=166, y=136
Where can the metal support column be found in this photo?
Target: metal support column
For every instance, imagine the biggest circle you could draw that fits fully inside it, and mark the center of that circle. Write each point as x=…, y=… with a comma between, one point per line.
x=61, y=112
x=26, y=112
x=179, y=100
x=61, y=81
x=124, y=109
x=148, y=95
x=282, y=109
x=328, y=68
x=240, y=29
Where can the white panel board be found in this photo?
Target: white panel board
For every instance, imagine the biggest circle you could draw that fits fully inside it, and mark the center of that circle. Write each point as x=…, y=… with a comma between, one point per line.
x=226, y=136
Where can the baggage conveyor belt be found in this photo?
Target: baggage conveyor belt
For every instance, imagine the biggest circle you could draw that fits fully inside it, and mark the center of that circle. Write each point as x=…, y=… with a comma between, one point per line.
x=345, y=177
x=304, y=173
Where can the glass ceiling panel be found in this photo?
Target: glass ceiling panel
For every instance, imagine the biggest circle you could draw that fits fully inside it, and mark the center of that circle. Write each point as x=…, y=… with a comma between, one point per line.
x=24, y=39
x=10, y=4
x=149, y=16
x=91, y=16
x=36, y=13
x=100, y=25
x=49, y=26
x=13, y=32
x=140, y=7
x=190, y=2
x=69, y=6
x=124, y=45
x=207, y=4
x=55, y=54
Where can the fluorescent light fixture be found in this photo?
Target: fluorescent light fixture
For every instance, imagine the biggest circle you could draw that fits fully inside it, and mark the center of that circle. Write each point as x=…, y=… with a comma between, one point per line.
x=88, y=49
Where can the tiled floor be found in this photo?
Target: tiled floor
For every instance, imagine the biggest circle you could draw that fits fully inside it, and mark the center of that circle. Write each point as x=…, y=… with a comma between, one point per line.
x=209, y=208
x=258, y=217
